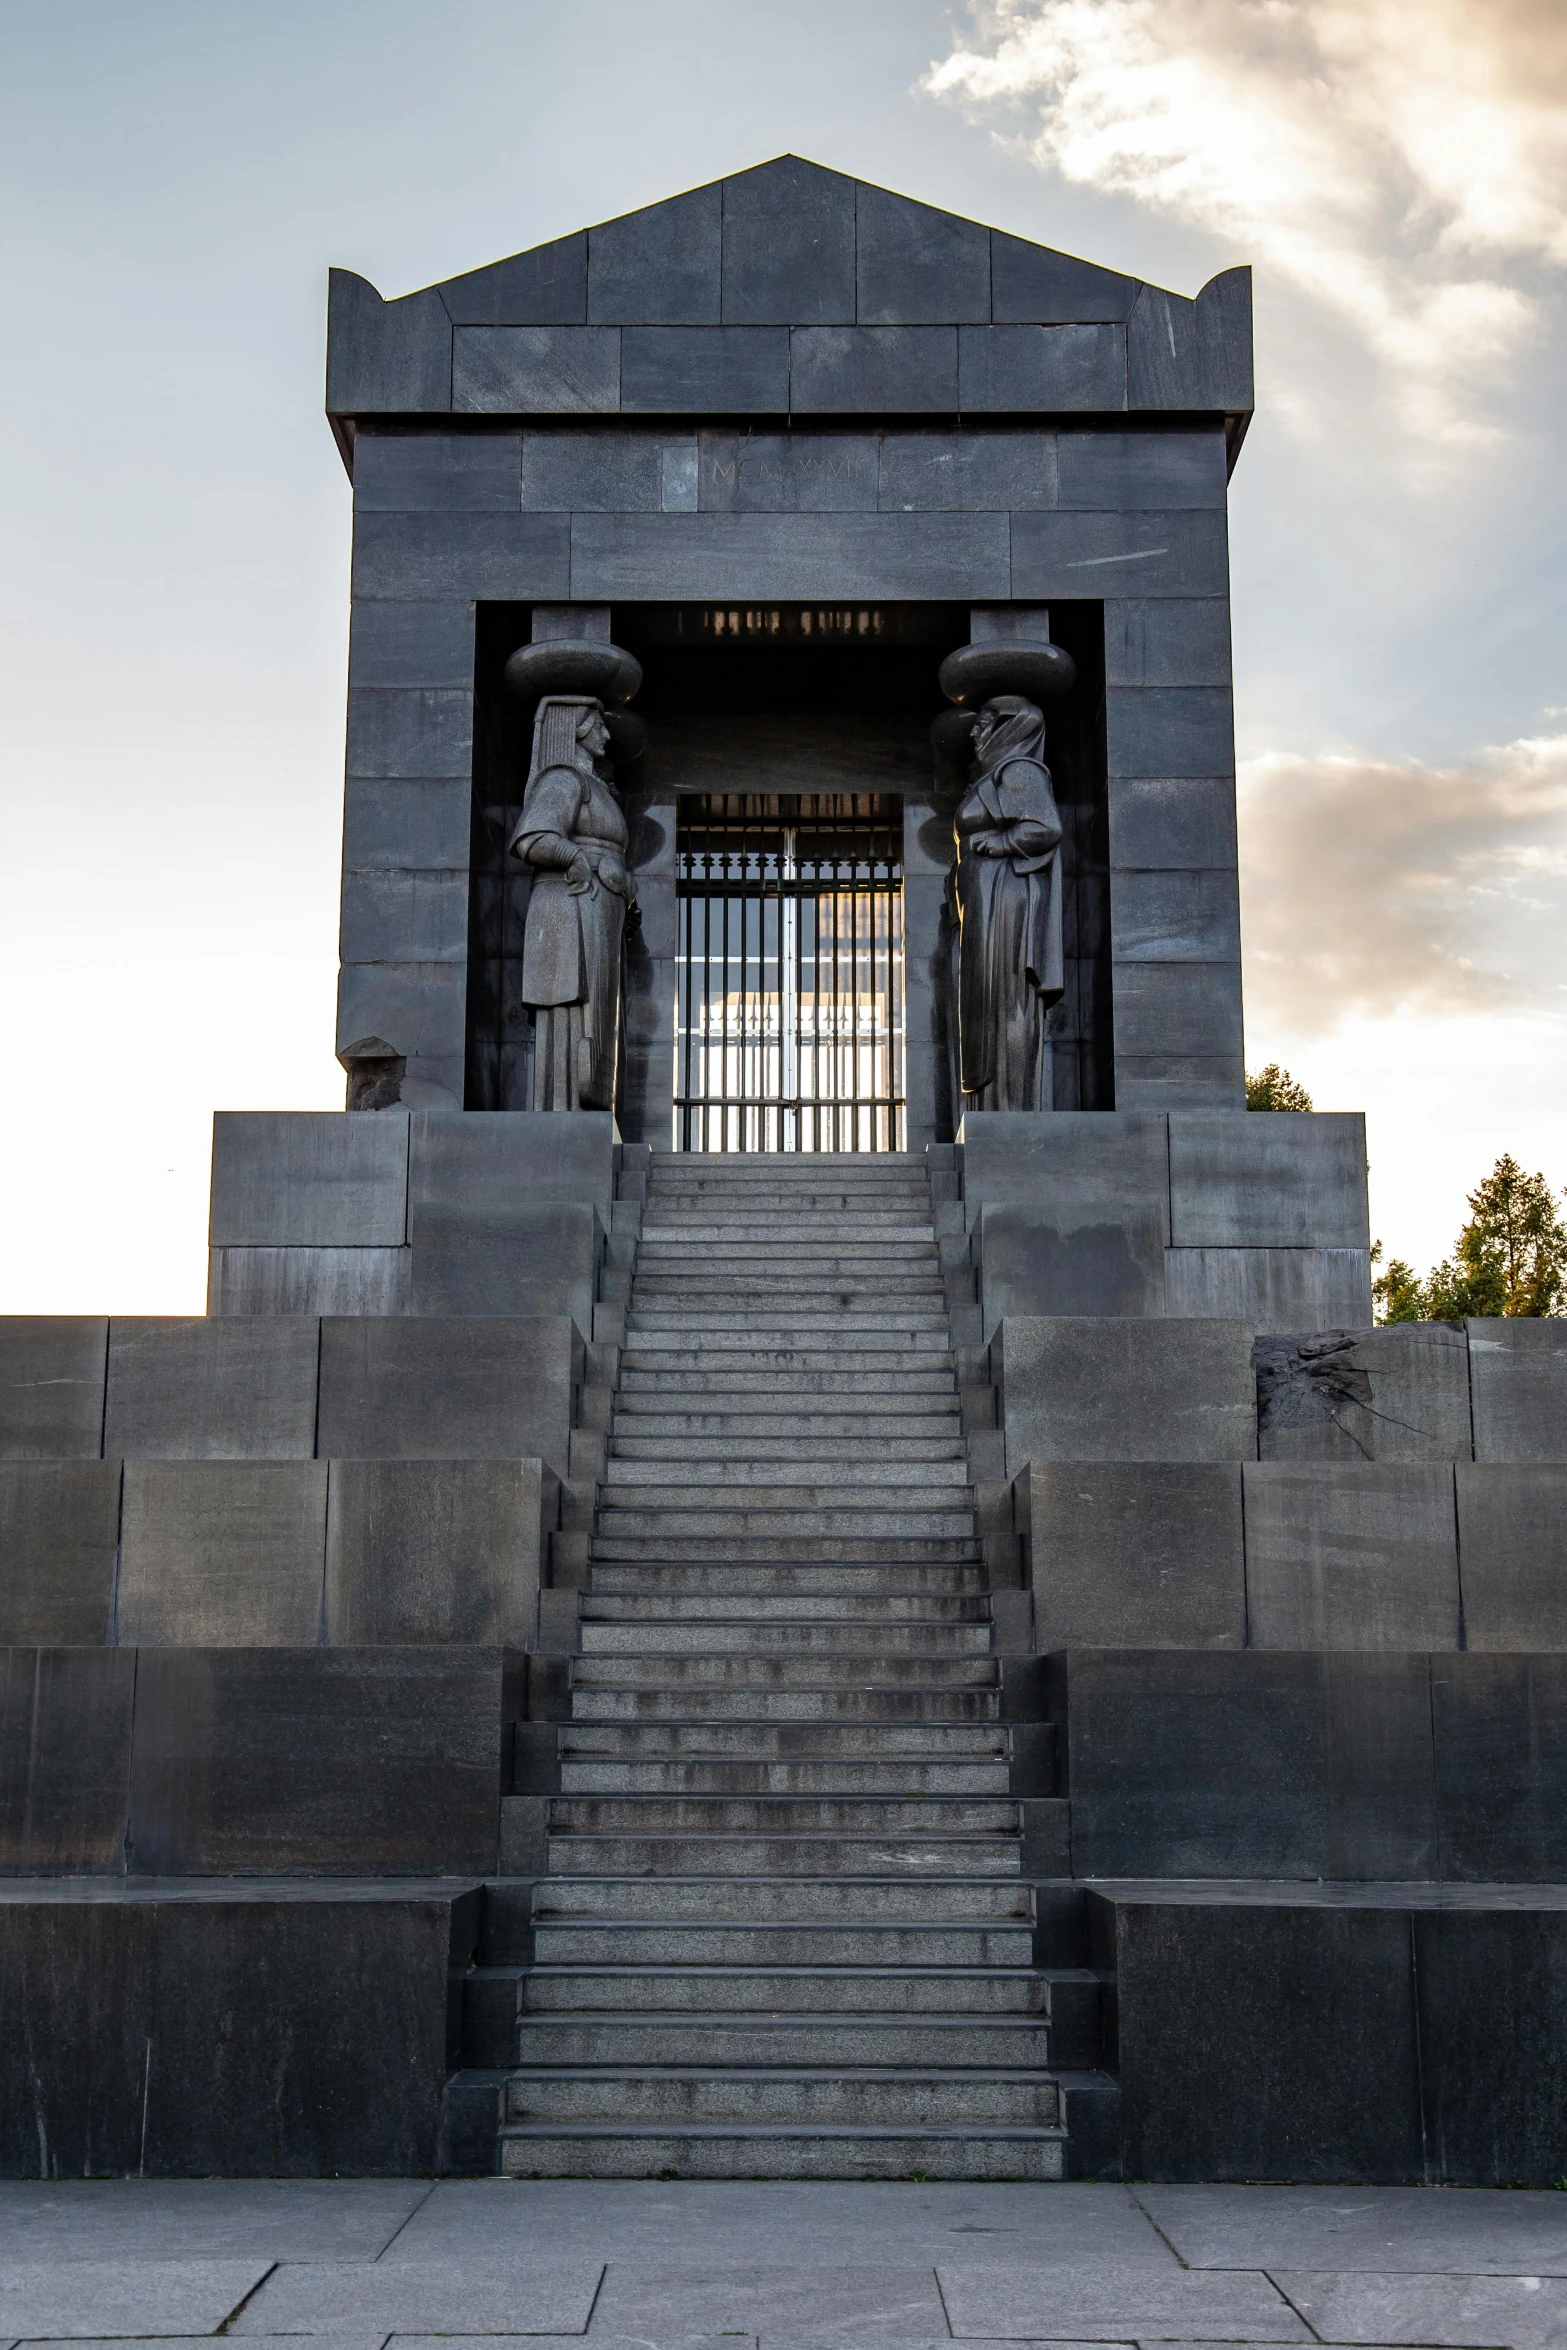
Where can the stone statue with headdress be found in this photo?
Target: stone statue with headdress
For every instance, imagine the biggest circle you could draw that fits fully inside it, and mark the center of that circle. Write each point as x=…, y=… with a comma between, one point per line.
x=1006, y=885
x=572, y=835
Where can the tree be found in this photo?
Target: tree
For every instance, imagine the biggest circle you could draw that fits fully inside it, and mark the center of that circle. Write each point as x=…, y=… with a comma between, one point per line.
x=1274, y=1088
x=1399, y=1292
x=1510, y=1258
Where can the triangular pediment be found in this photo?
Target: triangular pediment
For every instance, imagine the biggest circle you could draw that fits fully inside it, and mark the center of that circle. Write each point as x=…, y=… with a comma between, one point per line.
x=788, y=243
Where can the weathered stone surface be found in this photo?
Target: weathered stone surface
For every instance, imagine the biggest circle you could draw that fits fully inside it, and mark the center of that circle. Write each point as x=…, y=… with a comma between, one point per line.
x=366, y=1761
x=309, y=1178
x=660, y=264
x=1108, y=1389
x=51, y=1386
x=547, y=286
x=420, y=643
x=222, y=1554
x=1500, y=1725
x=1172, y=915
x=1056, y=368
x=1512, y=1552
x=649, y=556
x=425, y=1387
x=915, y=263
x=1518, y=1389
x=1031, y=282
x=504, y=1208
x=186, y=1388
x=1048, y=1260
x=742, y=370
x=433, y=1551
x=1137, y=1555
x=65, y=1749
x=337, y=2070
x=459, y=557
x=1171, y=821
x=788, y=245
x=391, y=914
x=59, y=1538
x=397, y=823
x=1098, y=553
x=1268, y=1180
x=1351, y=1556
x=1399, y=1393
x=1266, y=2041
x=873, y=370
x=309, y=1281
x=1254, y=1764
x=1493, y=1988
x=535, y=370
x=964, y=472
x=395, y=357
x=1157, y=471
x=1271, y=1289
x=438, y=472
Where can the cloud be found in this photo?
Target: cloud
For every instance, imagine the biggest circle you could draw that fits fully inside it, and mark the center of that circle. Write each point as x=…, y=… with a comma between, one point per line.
x=1402, y=162
x=1372, y=886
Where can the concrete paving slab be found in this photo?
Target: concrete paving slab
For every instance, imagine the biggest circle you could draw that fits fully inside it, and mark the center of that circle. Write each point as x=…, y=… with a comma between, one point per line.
x=1102, y=2304
x=1478, y=2230
x=90, y=2300
x=204, y=2219
x=475, y=2295
x=1515, y=2313
x=373, y=2340
x=839, y=2305
x=744, y=2224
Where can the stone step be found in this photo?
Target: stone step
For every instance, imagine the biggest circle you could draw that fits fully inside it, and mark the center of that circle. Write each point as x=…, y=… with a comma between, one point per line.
x=701, y=1277
x=601, y=1607
x=849, y=1353
x=843, y=1226
x=941, y=1816
x=828, y=2045
x=688, y=1946
x=899, y=2092
x=711, y=1638
x=639, y=1423
x=753, y=1512
x=854, y=1471
x=792, y=1321
x=850, y=1777
x=858, y=1452
x=713, y=1992
x=870, y=1742
x=787, y=1550
x=734, y=2151
x=819, y=1258
x=798, y=1899
x=642, y=1705
x=573, y=1854
x=950, y=1674
x=879, y=1585
x=884, y=1385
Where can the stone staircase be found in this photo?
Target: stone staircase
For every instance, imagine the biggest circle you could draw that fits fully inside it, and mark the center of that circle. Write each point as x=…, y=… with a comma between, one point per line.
x=784, y=1927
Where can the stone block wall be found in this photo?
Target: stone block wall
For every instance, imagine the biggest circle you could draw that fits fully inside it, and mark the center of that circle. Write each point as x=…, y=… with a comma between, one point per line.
x=409, y=1212
x=1162, y=1505
x=1245, y=1216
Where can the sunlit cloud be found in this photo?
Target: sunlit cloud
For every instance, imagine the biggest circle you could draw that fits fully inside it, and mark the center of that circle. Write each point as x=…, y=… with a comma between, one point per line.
x=1402, y=162
x=1372, y=887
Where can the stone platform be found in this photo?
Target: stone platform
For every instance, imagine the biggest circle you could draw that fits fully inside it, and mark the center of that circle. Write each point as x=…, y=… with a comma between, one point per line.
x=660, y=2266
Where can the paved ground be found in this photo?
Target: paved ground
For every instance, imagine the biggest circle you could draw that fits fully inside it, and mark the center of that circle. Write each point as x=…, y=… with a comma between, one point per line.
x=778, y=2267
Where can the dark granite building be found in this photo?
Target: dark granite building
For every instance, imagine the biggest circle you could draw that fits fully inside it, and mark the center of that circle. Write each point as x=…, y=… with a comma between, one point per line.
x=786, y=1550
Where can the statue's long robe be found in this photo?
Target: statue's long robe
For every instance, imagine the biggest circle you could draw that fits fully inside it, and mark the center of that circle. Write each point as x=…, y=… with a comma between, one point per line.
x=571, y=944
x=1010, y=963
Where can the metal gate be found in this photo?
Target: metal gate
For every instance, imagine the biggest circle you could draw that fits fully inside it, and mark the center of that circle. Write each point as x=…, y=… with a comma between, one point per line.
x=789, y=1004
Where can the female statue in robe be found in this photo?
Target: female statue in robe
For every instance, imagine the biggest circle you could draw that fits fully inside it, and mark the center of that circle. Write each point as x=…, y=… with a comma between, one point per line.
x=573, y=835
x=1007, y=887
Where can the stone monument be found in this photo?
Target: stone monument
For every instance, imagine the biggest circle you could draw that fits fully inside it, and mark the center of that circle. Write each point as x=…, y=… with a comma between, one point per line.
x=786, y=1550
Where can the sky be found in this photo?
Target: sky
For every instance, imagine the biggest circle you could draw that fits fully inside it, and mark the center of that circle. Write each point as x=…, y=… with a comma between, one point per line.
x=176, y=180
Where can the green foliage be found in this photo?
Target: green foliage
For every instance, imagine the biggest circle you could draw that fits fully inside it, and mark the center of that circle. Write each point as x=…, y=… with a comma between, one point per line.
x=1274, y=1088
x=1510, y=1258
x=1398, y=1291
